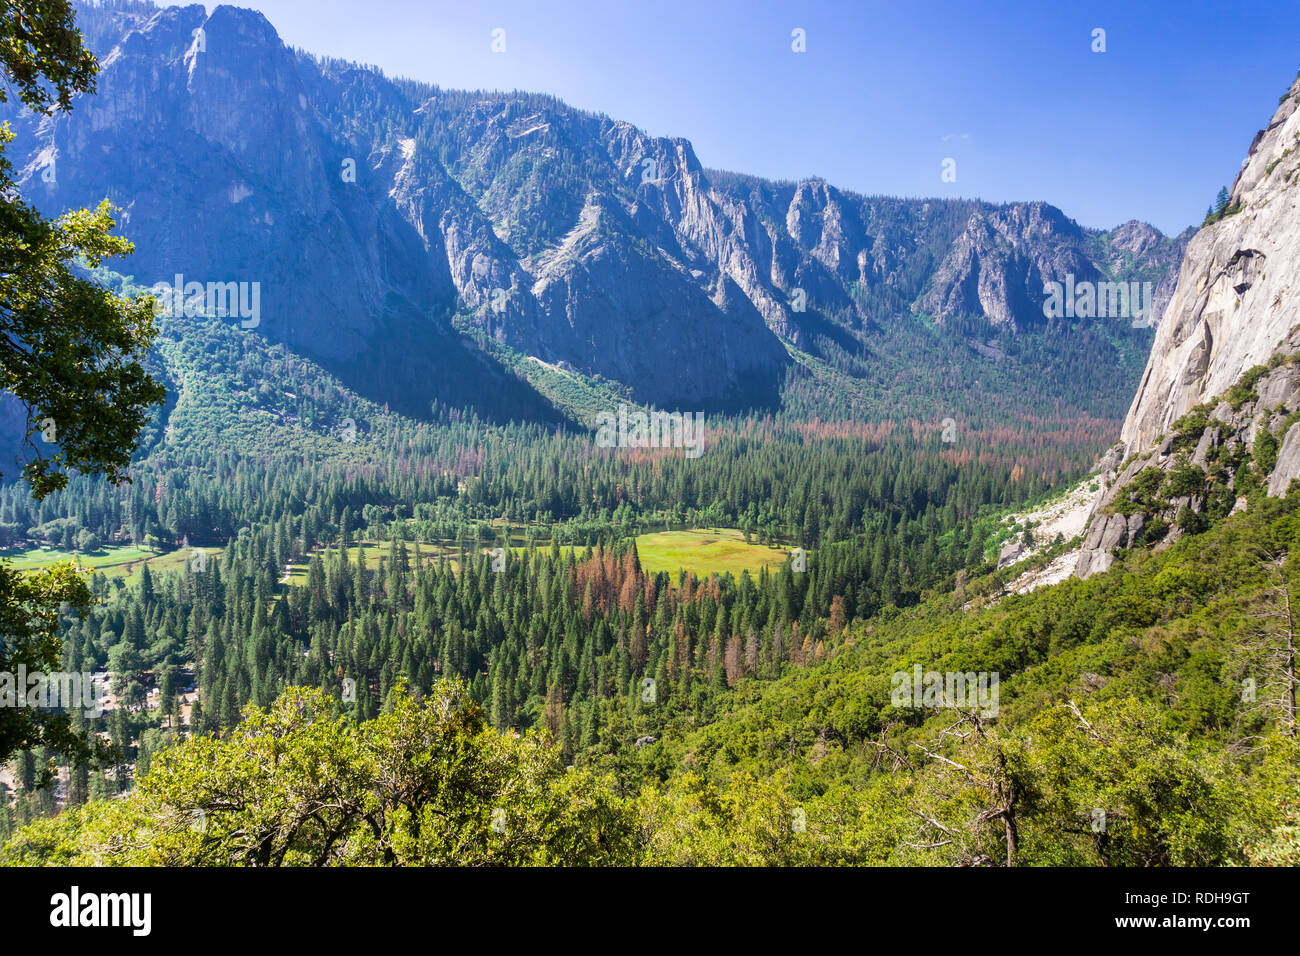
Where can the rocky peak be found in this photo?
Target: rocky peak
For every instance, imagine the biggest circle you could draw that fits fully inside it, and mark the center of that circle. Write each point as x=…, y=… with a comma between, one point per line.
x=1135, y=237
x=822, y=222
x=998, y=266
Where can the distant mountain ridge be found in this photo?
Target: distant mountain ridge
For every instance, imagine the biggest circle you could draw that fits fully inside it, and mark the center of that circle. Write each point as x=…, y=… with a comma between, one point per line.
x=395, y=227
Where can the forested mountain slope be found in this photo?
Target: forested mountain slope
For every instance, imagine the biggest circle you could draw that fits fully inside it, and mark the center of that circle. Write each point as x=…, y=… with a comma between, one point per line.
x=390, y=225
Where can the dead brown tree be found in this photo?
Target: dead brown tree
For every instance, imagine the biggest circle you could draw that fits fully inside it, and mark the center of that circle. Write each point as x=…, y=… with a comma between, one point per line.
x=1267, y=649
x=988, y=773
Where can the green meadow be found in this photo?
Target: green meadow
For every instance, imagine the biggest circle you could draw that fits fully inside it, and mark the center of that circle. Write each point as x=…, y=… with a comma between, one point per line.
x=112, y=560
x=700, y=551
x=375, y=551
x=704, y=551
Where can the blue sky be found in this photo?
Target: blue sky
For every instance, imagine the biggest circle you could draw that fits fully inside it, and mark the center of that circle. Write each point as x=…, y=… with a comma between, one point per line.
x=886, y=90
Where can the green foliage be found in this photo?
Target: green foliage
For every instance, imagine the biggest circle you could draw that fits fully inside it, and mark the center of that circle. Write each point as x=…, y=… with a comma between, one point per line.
x=1188, y=429
x=1183, y=479
x=40, y=48
x=1164, y=799
x=1190, y=522
x=1146, y=649
x=70, y=353
x=1244, y=389
x=73, y=352
x=1142, y=493
x=500, y=715
x=425, y=783
x=30, y=619
x=1264, y=452
x=814, y=765
x=1222, y=208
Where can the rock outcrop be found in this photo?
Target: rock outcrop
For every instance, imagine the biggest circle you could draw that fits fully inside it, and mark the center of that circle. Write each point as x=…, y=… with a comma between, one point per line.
x=1155, y=496
x=1004, y=258
x=1238, y=296
x=1236, y=308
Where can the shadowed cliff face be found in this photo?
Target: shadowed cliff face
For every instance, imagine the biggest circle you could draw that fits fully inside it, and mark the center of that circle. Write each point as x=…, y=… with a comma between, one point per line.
x=209, y=144
x=385, y=220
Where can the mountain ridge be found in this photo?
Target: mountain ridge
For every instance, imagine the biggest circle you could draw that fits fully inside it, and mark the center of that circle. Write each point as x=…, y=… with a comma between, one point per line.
x=375, y=211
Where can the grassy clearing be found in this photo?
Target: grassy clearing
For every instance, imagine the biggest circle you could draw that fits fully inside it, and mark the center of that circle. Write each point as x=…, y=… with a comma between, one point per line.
x=703, y=551
x=374, y=552
x=113, y=560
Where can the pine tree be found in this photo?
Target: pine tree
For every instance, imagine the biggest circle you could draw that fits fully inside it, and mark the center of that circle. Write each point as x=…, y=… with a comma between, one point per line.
x=1221, y=201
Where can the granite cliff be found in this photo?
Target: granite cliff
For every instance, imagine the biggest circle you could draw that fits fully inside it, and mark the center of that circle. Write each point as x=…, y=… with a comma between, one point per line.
x=1221, y=389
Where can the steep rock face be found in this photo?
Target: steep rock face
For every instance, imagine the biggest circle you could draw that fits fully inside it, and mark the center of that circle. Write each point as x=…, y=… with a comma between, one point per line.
x=820, y=221
x=636, y=306
x=238, y=169
x=1000, y=262
x=625, y=284
x=717, y=239
x=1238, y=290
x=1236, y=307
x=211, y=137
x=1003, y=259
x=1288, y=464
x=1155, y=496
